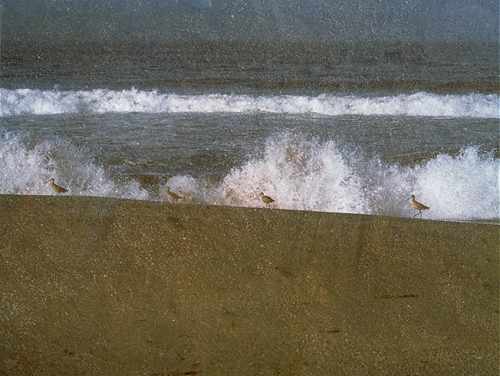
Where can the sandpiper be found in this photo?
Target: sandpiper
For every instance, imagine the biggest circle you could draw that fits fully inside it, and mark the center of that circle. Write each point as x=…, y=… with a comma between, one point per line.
x=418, y=206
x=266, y=199
x=174, y=197
x=56, y=188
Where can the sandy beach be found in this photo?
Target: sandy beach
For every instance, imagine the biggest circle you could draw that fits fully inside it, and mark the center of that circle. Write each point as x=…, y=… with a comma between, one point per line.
x=116, y=287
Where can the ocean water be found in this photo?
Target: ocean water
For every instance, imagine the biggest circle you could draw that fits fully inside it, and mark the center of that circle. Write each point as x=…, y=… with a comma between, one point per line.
x=327, y=127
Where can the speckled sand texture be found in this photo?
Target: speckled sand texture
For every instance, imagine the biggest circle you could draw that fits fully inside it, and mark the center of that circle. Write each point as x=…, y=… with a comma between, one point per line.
x=107, y=287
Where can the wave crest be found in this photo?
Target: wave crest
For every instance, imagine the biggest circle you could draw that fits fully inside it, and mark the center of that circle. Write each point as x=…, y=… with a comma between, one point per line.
x=309, y=175
x=299, y=173
x=26, y=170
x=39, y=102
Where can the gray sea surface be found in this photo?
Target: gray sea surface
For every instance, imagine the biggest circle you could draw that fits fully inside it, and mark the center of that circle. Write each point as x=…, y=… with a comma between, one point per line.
x=211, y=111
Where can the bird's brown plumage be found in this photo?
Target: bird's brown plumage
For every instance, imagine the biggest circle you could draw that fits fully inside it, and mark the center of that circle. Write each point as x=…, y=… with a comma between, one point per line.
x=56, y=188
x=173, y=196
x=266, y=199
x=418, y=205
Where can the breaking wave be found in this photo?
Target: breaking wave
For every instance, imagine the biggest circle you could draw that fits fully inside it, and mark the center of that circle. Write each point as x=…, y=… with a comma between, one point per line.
x=309, y=175
x=26, y=170
x=39, y=102
x=298, y=173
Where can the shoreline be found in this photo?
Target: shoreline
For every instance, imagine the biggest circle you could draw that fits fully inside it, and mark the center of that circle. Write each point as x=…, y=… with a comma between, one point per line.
x=147, y=181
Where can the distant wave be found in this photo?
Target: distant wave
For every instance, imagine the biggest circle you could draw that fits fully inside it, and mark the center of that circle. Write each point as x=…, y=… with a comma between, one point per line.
x=39, y=102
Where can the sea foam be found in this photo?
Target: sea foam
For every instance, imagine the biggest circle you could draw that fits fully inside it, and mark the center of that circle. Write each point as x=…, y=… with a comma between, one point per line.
x=26, y=169
x=321, y=176
x=299, y=173
x=40, y=102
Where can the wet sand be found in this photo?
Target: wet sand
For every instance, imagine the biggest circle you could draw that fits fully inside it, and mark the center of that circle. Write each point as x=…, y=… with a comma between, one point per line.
x=115, y=287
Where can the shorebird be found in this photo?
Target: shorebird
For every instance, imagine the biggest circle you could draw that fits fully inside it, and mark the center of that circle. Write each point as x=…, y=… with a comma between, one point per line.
x=174, y=197
x=56, y=188
x=418, y=206
x=266, y=199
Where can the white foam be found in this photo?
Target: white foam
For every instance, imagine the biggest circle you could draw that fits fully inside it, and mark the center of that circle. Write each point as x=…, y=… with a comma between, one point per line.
x=309, y=175
x=40, y=102
x=26, y=170
x=462, y=187
x=298, y=173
